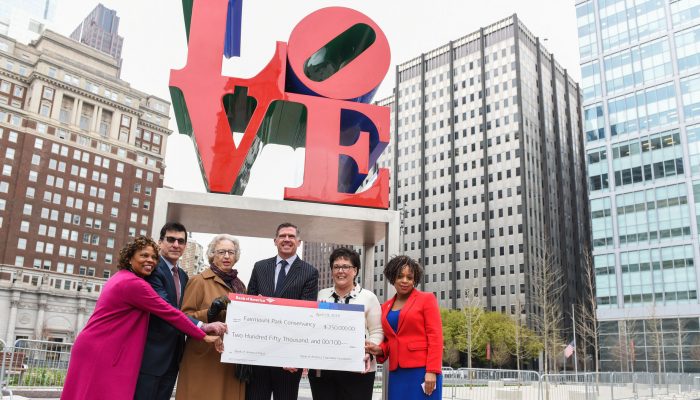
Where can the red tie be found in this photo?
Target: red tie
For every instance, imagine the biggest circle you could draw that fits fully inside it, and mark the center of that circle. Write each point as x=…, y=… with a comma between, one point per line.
x=176, y=277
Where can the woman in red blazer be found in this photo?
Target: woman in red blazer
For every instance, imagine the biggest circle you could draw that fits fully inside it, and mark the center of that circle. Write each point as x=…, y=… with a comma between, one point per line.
x=412, y=335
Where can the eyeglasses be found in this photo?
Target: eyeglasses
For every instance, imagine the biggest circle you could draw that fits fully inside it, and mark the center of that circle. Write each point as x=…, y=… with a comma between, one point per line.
x=172, y=240
x=225, y=252
x=345, y=267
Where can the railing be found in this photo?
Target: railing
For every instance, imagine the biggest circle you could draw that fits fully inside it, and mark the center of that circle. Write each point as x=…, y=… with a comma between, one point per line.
x=491, y=384
x=30, y=364
x=35, y=363
x=476, y=383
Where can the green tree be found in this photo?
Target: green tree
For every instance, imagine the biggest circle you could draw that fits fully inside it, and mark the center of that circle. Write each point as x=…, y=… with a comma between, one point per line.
x=452, y=331
x=507, y=339
x=499, y=331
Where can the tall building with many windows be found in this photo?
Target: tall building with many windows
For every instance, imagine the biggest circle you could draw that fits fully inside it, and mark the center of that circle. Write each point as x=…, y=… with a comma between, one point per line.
x=640, y=63
x=82, y=156
x=487, y=170
x=100, y=30
x=194, y=259
x=318, y=255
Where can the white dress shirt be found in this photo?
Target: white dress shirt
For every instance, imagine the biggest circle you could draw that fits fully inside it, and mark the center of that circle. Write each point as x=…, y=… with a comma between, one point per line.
x=373, y=311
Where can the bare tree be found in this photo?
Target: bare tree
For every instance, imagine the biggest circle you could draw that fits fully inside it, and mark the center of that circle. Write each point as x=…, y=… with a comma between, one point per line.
x=518, y=353
x=587, y=315
x=546, y=295
x=523, y=337
x=471, y=307
x=625, y=352
x=655, y=340
x=526, y=344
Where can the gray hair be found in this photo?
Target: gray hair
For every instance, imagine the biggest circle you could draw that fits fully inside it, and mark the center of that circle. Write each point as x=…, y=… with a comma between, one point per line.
x=218, y=238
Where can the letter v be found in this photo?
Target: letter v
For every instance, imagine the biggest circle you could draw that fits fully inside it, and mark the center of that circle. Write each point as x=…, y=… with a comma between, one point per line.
x=198, y=89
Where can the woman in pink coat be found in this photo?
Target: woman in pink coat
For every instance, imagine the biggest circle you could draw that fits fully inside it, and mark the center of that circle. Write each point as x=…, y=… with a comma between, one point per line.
x=106, y=356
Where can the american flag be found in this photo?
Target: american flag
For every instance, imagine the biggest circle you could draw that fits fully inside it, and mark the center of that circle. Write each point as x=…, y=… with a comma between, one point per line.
x=569, y=350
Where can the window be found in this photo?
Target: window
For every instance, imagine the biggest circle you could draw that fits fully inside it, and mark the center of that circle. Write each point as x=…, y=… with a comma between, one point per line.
x=47, y=93
x=68, y=78
x=91, y=87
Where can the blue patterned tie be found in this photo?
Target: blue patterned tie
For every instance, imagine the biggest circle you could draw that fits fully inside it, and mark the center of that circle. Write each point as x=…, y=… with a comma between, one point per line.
x=281, y=276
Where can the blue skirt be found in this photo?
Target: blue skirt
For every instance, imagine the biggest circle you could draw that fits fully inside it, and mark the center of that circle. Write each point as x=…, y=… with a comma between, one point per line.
x=405, y=384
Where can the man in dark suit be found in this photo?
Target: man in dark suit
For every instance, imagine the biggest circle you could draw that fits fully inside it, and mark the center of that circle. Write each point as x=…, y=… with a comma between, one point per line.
x=164, y=343
x=285, y=276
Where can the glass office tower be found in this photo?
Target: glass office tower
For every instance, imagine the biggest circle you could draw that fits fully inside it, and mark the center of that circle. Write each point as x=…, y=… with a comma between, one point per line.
x=640, y=67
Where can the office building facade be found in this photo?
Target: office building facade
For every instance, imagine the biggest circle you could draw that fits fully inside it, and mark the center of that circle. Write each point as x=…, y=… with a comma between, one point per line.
x=641, y=102
x=82, y=157
x=318, y=255
x=194, y=259
x=487, y=170
x=100, y=30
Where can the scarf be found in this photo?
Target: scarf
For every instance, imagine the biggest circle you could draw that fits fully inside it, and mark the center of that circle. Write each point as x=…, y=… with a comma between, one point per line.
x=230, y=278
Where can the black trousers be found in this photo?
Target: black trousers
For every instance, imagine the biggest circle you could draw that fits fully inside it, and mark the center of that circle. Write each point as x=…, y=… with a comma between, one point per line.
x=151, y=387
x=341, y=385
x=267, y=381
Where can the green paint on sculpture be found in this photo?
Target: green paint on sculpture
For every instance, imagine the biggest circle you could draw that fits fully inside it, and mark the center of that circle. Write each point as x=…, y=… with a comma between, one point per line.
x=284, y=123
x=339, y=52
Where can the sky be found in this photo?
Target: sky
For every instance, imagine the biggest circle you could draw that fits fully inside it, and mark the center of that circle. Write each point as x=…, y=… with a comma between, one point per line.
x=155, y=43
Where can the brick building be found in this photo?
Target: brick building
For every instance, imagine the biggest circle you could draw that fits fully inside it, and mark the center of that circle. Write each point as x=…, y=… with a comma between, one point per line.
x=82, y=156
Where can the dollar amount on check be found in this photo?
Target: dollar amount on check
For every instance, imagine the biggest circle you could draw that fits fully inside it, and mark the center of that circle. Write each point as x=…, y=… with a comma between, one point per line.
x=294, y=333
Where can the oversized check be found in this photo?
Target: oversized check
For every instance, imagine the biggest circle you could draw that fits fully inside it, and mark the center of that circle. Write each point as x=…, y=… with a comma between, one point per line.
x=294, y=333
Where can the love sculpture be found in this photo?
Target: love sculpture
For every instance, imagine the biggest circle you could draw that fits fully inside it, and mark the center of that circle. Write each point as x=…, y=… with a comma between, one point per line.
x=314, y=93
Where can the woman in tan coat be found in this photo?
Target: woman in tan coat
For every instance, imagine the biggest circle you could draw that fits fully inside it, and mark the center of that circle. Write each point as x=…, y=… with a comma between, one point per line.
x=202, y=374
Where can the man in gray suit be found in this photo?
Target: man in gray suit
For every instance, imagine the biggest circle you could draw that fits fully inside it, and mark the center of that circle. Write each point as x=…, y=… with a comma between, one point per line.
x=285, y=276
